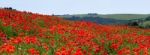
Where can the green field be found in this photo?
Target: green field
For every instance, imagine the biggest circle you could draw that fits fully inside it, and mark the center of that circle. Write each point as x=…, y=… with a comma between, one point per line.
x=114, y=16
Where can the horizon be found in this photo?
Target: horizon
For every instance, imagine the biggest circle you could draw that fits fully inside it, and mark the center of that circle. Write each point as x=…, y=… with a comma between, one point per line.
x=80, y=13
x=49, y=7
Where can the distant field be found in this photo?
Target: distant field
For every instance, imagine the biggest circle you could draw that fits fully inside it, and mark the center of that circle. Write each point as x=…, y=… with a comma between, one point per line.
x=114, y=16
x=125, y=16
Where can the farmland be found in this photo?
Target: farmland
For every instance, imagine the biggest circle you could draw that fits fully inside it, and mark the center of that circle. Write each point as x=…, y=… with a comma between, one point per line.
x=26, y=33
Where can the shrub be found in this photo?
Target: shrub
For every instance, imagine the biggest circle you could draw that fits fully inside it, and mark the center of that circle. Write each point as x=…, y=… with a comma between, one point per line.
x=145, y=24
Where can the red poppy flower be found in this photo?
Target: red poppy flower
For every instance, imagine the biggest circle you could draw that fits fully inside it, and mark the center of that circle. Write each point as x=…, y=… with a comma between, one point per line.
x=8, y=48
x=33, y=51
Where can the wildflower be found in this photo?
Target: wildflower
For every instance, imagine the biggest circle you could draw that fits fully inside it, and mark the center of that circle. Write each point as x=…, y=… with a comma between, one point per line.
x=33, y=51
x=78, y=52
x=123, y=51
x=17, y=40
x=3, y=37
x=8, y=48
x=45, y=46
x=26, y=28
x=115, y=46
x=30, y=39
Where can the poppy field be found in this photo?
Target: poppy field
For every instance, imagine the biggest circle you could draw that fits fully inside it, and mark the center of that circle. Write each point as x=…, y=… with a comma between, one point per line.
x=26, y=33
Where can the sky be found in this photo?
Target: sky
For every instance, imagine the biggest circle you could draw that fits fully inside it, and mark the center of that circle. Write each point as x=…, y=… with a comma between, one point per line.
x=60, y=7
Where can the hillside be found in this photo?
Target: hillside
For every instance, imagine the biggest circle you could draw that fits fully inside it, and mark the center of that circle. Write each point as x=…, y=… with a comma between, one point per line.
x=112, y=19
x=27, y=33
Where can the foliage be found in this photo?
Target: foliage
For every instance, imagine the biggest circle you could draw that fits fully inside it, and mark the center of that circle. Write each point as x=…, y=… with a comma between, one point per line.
x=145, y=24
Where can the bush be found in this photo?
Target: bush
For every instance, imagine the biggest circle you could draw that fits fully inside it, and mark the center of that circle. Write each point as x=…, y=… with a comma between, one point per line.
x=145, y=24
x=147, y=19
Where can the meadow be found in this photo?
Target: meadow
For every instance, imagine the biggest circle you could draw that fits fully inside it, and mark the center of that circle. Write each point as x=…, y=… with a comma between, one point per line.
x=27, y=33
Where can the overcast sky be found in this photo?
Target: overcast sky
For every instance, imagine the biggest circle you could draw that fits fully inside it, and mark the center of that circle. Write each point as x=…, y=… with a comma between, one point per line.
x=80, y=6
